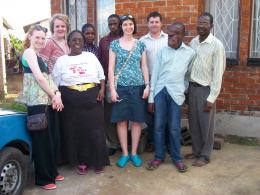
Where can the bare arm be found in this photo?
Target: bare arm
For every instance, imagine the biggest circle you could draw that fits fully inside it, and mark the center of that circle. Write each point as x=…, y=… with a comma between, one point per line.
x=31, y=58
x=111, y=72
x=145, y=75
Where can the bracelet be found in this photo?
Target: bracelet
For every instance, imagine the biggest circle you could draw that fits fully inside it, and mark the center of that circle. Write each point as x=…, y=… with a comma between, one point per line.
x=56, y=91
x=147, y=84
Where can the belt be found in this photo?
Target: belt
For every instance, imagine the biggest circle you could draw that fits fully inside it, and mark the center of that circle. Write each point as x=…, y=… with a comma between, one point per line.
x=196, y=84
x=83, y=87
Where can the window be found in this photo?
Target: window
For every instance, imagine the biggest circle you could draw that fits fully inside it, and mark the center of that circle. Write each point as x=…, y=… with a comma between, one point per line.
x=77, y=12
x=104, y=9
x=226, y=16
x=255, y=31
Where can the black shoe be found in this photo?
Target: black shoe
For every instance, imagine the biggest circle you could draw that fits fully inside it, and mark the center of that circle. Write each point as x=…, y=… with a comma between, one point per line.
x=111, y=151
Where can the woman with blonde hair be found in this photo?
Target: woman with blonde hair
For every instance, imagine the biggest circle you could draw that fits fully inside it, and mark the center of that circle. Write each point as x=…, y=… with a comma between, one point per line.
x=56, y=45
x=42, y=96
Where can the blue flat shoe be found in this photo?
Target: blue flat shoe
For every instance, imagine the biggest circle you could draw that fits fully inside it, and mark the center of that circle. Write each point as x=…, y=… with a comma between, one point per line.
x=123, y=161
x=136, y=160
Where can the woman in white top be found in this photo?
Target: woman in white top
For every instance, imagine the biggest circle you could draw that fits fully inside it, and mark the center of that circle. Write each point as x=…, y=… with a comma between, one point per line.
x=81, y=80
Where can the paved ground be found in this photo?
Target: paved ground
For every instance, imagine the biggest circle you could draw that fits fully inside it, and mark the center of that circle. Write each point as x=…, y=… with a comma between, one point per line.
x=234, y=170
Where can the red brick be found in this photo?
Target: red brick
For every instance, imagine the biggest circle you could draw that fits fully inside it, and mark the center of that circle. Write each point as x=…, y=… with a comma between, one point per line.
x=232, y=90
x=254, y=97
x=240, y=85
x=232, y=101
x=154, y=9
x=190, y=27
x=182, y=8
x=159, y=3
x=254, y=74
x=174, y=2
x=190, y=2
x=173, y=15
x=224, y=95
x=224, y=106
x=231, y=79
x=121, y=1
x=228, y=73
x=166, y=9
x=247, y=102
x=145, y=4
x=121, y=11
x=240, y=74
x=129, y=5
x=119, y=6
x=226, y=84
x=247, y=80
x=248, y=91
x=189, y=14
x=137, y=10
x=236, y=107
x=239, y=96
x=254, y=108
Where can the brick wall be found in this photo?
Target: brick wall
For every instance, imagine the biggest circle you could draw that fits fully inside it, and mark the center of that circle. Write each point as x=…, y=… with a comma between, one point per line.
x=240, y=93
x=1, y=72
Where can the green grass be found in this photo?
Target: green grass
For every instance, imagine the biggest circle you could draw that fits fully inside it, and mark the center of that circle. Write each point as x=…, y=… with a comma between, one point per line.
x=12, y=105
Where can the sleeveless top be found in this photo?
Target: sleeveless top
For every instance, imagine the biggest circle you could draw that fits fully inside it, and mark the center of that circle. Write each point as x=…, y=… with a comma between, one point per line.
x=32, y=91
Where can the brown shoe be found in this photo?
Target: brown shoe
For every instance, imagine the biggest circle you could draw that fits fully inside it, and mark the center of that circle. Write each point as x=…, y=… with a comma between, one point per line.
x=150, y=148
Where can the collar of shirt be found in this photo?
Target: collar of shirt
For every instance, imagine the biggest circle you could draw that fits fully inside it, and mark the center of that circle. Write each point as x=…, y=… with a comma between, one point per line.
x=94, y=47
x=109, y=37
x=207, y=40
x=182, y=46
x=148, y=36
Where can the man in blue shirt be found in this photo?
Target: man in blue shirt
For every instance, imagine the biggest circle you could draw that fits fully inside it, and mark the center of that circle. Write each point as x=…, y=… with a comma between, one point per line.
x=170, y=79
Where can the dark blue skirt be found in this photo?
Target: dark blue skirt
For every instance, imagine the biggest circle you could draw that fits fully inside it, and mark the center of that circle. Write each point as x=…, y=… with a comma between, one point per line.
x=132, y=107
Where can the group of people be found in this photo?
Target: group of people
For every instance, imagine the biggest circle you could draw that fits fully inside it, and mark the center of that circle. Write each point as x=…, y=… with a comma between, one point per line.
x=147, y=79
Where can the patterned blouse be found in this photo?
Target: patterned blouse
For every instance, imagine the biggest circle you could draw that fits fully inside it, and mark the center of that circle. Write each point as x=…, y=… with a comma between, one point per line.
x=132, y=74
x=94, y=50
x=32, y=91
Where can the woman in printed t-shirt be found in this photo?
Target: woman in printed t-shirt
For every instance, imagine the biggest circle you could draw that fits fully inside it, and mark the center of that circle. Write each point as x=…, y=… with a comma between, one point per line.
x=56, y=45
x=81, y=80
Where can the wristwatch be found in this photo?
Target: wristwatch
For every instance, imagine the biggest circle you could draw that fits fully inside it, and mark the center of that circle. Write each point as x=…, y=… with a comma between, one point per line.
x=56, y=91
x=147, y=84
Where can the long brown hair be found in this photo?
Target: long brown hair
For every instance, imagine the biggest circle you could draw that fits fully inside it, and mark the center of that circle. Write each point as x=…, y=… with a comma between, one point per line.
x=26, y=42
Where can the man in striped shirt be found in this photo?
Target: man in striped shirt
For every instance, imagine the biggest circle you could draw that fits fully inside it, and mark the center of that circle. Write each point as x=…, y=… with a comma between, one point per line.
x=205, y=84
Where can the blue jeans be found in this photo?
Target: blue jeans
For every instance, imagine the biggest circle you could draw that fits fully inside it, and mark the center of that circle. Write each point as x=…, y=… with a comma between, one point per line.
x=166, y=110
x=150, y=126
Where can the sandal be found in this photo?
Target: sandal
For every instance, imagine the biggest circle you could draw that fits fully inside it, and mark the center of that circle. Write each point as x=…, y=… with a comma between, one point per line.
x=123, y=161
x=82, y=170
x=136, y=160
x=181, y=167
x=153, y=165
x=199, y=163
x=190, y=156
x=98, y=171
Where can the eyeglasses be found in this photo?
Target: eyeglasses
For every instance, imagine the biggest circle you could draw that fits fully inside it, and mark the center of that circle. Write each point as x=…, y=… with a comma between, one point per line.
x=126, y=16
x=41, y=28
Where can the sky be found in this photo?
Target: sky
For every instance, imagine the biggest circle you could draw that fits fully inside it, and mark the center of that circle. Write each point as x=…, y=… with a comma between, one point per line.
x=19, y=13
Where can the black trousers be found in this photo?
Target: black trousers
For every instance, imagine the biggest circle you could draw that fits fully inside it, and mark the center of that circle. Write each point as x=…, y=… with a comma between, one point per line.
x=45, y=145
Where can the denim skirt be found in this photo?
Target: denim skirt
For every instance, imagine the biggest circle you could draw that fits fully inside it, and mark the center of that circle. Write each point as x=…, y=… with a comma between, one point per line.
x=132, y=106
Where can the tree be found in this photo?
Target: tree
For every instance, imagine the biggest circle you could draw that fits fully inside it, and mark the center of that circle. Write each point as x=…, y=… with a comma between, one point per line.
x=16, y=43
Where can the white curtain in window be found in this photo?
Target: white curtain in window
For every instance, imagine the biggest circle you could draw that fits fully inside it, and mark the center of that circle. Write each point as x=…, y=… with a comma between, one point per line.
x=255, y=40
x=104, y=9
x=225, y=14
x=77, y=13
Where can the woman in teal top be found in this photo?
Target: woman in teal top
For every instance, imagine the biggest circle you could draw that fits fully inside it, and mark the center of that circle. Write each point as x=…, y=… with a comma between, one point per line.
x=42, y=96
x=128, y=98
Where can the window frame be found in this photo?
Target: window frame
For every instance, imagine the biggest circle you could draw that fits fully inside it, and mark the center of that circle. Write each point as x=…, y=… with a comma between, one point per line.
x=251, y=61
x=231, y=61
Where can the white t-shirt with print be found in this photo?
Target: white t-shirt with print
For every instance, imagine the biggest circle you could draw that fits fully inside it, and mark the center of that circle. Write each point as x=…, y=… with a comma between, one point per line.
x=74, y=70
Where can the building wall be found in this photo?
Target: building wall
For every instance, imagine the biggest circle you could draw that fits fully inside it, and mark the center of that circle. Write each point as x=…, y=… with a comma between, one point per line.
x=240, y=92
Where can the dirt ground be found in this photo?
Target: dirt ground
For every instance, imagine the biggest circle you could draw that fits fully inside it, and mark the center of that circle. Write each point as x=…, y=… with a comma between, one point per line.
x=234, y=170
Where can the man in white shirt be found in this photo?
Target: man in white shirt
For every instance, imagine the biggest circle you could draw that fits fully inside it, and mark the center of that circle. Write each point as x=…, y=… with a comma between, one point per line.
x=205, y=84
x=154, y=40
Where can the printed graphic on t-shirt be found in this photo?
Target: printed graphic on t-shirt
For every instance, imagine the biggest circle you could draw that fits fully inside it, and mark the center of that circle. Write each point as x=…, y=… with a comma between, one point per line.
x=79, y=71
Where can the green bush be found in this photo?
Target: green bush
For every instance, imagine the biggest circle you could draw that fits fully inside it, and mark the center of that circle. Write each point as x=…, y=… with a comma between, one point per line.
x=13, y=105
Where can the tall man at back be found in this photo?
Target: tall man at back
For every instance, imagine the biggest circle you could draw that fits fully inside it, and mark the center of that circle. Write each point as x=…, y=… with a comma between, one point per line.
x=154, y=40
x=103, y=53
x=205, y=84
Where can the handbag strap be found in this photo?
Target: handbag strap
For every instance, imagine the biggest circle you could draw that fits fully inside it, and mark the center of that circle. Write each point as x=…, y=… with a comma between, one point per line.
x=127, y=59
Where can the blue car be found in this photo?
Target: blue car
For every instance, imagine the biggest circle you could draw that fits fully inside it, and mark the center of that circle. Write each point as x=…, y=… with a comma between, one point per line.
x=15, y=147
